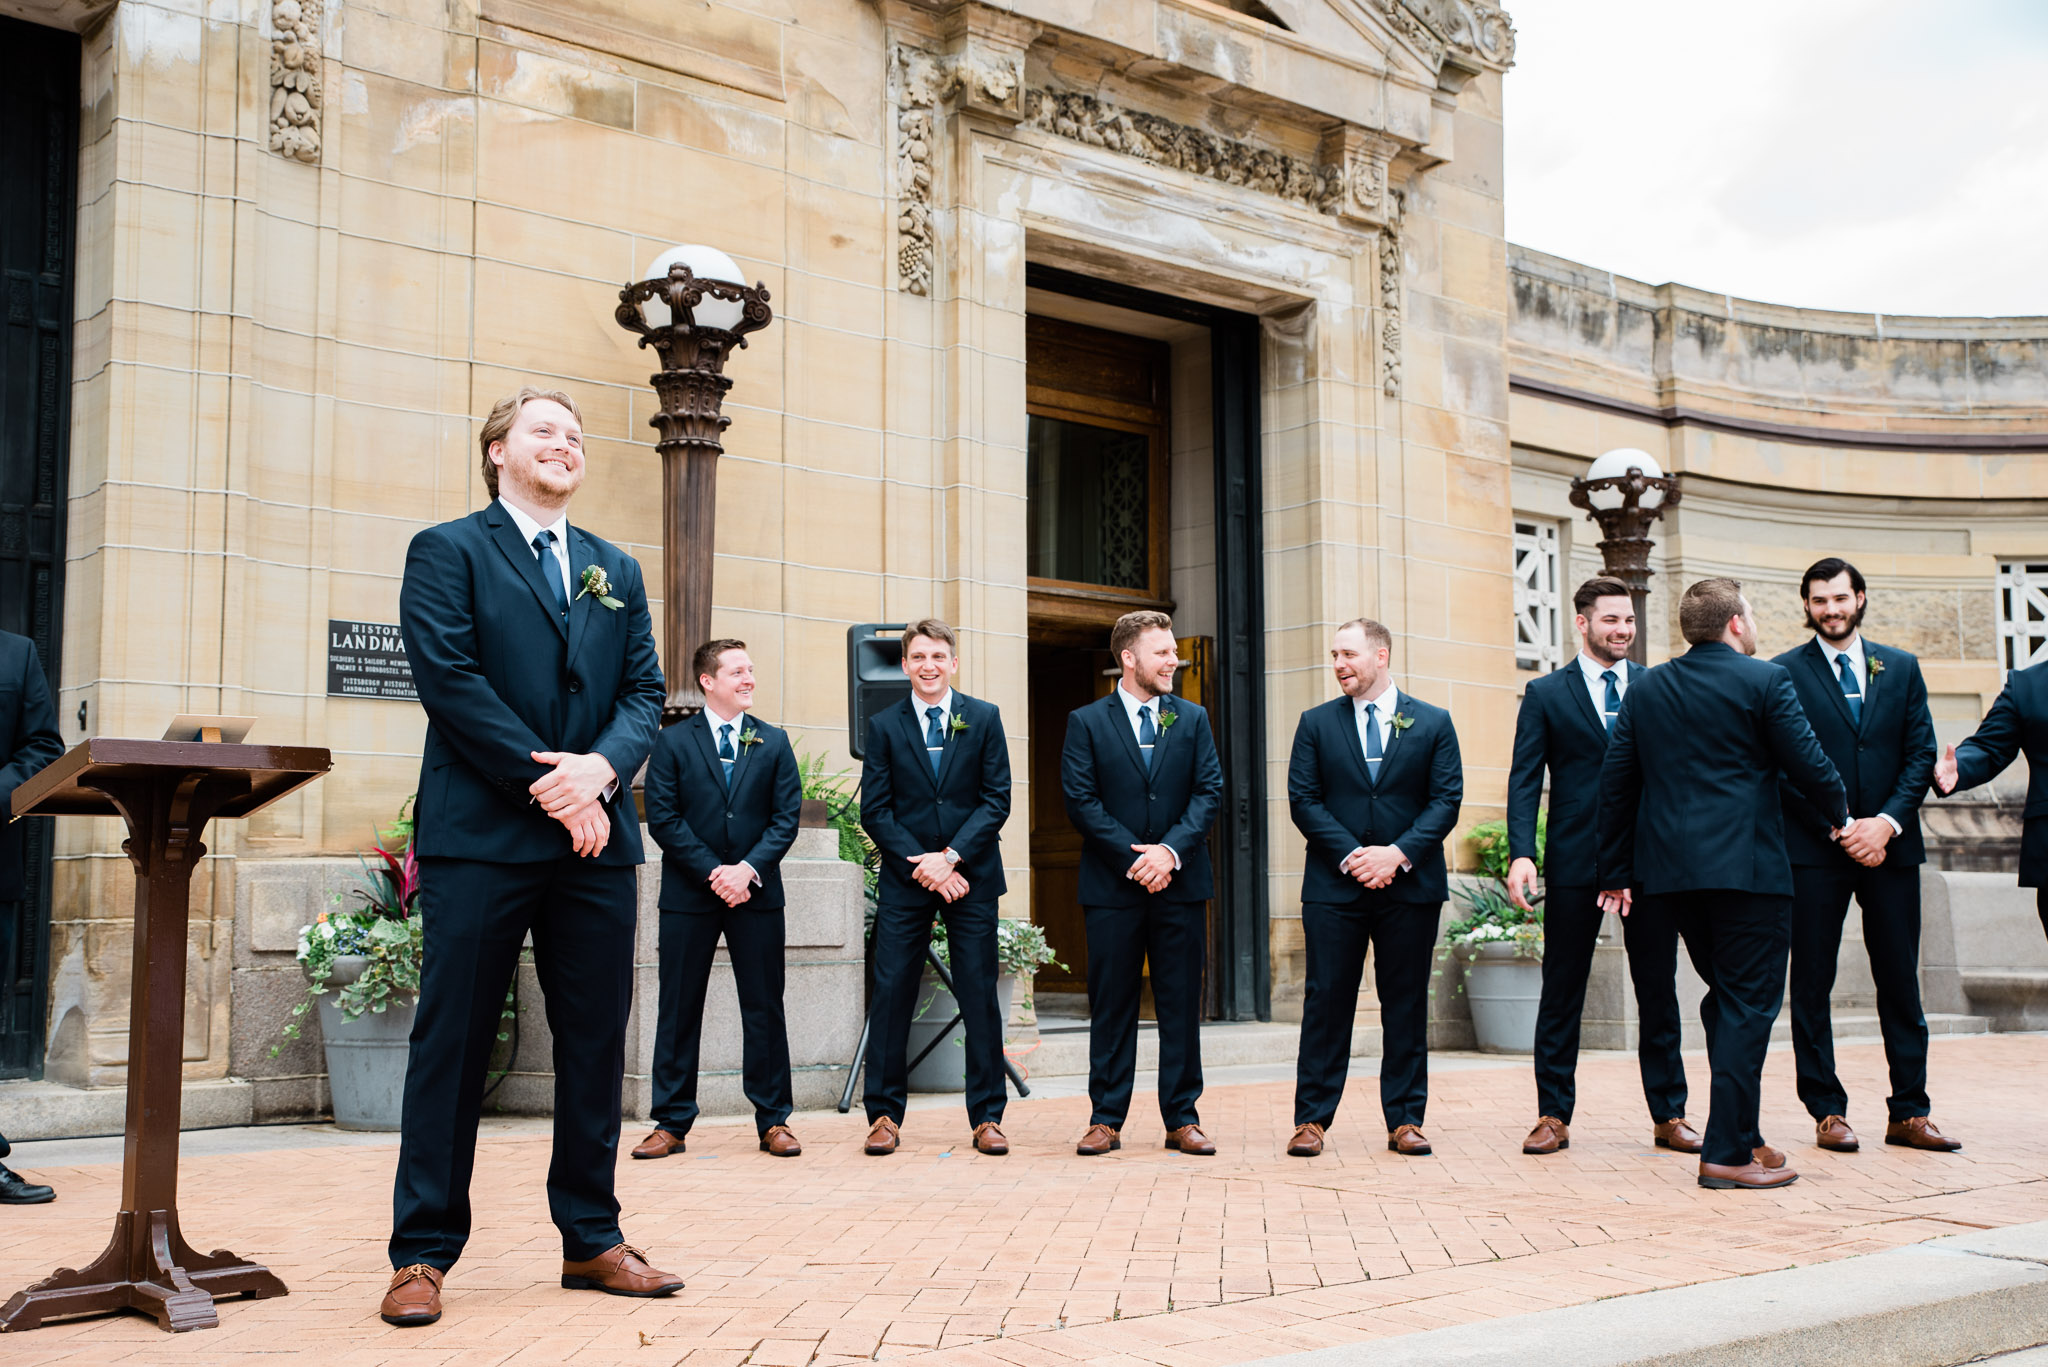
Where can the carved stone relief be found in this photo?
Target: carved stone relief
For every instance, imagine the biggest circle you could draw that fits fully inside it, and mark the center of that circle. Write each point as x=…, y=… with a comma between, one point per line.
x=978, y=78
x=1473, y=27
x=295, y=81
x=1390, y=298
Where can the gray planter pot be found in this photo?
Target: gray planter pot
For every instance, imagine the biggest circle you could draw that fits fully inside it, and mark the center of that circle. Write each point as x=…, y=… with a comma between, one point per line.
x=1503, y=985
x=945, y=1068
x=366, y=1057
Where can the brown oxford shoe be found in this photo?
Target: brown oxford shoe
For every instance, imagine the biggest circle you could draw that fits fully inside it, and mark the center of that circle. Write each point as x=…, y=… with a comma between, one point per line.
x=883, y=1137
x=1190, y=1139
x=1099, y=1139
x=414, y=1298
x=1678, y=1136
x=1745, y=1176
x=660, y=1144
x=621, y=1270
x=989, y=1139
x=1768, y=1157
x=1833, y=1133
x=781, y=1141
x=1918, y=1132
x=1550, y=1135
x=1408, y=1141
x=1307, y=1141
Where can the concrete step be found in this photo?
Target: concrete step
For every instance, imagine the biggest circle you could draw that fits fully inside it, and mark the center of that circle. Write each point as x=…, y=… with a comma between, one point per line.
x=1062, y=1048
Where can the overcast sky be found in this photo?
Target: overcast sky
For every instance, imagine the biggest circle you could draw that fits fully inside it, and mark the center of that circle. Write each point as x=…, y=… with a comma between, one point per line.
x=1873, y=156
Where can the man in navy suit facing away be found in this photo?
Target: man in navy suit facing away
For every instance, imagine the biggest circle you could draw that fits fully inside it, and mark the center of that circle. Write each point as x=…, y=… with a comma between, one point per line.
x=533, y=652
x=1142, y=782
x=723, y=797
x=1375, y=783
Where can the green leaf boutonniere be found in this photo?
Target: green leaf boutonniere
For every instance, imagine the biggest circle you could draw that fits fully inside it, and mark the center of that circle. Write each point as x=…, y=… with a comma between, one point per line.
x=1402, y=721
x=749, y=736
x=1874, y=665
x=1167, y=717
x=599, y=587
x=958, y=726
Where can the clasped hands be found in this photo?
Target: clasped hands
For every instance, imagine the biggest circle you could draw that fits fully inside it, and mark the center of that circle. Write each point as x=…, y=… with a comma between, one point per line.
x=1374, y=865
x=939, y=874
x=1864, y=840
x=1153, y=869
x=571, y=793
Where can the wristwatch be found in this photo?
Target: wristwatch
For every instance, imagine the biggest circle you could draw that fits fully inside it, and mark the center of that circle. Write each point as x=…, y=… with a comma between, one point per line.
x=952, y=855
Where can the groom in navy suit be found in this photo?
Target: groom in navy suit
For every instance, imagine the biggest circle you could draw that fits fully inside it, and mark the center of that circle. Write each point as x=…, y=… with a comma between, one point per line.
x=1142, y=783
x=533, y=652
x=1375, y=783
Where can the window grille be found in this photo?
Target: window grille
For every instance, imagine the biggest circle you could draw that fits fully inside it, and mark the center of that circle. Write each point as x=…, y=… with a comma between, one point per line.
x=2022, y=614
x=1539, y=643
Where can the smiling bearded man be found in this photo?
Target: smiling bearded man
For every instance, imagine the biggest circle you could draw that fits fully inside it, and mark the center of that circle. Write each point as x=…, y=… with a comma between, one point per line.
x=533, y=652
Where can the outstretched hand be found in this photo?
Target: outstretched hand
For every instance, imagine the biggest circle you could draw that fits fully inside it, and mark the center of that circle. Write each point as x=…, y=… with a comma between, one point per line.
x=1946, y=772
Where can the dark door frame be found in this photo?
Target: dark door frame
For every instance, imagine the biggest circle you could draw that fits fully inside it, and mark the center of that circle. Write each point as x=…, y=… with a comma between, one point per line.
x=39, y=154
x=1244, y=988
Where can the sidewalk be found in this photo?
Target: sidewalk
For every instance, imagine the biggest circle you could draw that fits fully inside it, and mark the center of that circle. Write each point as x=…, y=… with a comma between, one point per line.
x=943, y=1256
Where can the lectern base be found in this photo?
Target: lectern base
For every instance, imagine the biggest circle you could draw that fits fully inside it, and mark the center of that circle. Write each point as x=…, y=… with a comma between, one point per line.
x=155, y=1272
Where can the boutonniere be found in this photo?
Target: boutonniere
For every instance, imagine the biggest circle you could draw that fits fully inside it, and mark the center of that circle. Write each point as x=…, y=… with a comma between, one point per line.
x=1402, y=721
x=747, y=737
x=958, y=726
x=1167, y=717
x=1874, y=665
x=599, y=587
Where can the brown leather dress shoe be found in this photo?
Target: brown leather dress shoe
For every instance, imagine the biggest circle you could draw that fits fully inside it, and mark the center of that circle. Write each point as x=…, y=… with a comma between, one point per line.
x=1745, y=1177
x=1550, y=1135
x=1099, y=1139
x=883, y=1137
x=781, y=1142
x=1307, y=1141
x=1768, y=1157
x=1918, y=1132
x=989, y=1139
x=660, y=1144
x=1833, y=1132
x=621, y=1270
x=1678, y=1136
x=1190, y=1139
x=1408, y=1141
x=414, y=1298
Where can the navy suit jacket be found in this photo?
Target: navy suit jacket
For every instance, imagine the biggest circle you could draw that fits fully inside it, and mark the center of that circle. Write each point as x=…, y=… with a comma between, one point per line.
x=1885, y=761
x=502, y=675
x=908, y=810
x=1115, y=802
x=1414, y=805
x=1689, y=791
x=2017, y=723
x=700, y=824
x=29, y=739
x=1558, y=730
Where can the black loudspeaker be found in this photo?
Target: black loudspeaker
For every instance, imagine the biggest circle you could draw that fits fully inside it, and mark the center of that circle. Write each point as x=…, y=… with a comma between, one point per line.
x=874, y=677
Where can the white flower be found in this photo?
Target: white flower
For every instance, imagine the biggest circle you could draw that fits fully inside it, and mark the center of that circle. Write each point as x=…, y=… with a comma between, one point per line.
x=326, y=930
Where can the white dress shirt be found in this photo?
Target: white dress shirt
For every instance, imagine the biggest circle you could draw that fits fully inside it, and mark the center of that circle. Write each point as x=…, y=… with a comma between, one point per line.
x=1386, y=703
x=1860, y=673
x=739, y=728
x=1132, y=706
x=529, y=529
x=1596, y=687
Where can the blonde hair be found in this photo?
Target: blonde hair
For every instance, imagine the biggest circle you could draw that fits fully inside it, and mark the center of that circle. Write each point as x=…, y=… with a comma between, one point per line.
x=503, y=414
x=1129, y=627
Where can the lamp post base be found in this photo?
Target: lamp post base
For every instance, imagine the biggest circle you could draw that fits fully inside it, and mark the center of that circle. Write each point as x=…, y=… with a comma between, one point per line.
x=147, y=1267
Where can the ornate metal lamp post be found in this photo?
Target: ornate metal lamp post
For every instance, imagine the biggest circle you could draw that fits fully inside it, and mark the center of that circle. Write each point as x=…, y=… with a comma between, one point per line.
x=693, y=310
x=1625, y=491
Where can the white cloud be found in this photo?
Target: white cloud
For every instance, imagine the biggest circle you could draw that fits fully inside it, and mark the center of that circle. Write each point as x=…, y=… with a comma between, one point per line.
x=1871, y=156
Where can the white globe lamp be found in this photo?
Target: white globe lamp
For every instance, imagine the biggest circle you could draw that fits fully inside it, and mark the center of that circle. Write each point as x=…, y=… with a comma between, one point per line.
x=706, y=263
x=1616, y=464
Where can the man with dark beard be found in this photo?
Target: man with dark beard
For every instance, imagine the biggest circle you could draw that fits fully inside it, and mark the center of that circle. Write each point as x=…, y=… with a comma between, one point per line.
x=1868, y=707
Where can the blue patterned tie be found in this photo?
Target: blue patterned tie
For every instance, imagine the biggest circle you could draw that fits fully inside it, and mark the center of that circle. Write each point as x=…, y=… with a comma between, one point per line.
x=1612, y=707
x=1372, y=743
x=725, y=754
x=543, y=543
x=935, y=738
x=1851, y=694
x=1148, y=735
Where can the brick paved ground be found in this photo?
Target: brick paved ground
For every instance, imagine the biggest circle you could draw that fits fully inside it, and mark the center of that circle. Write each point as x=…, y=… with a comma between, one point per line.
x=944, y=1257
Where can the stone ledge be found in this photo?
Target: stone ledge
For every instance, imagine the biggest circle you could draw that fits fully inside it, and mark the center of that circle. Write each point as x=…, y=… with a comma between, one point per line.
x=50, y=1110
x=1946, y=1301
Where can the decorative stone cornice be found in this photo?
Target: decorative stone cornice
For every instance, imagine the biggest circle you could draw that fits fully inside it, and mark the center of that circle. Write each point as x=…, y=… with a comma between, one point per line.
x=1364, y=158
x=295, y=95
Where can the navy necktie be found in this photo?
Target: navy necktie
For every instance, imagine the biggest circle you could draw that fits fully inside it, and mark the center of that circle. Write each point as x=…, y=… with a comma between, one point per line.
x=1148, y=735
x=1610, y=709
x=725, y=753
x=935, y=737
x=1851, y=694
x=1372, y=742
x=543, y=544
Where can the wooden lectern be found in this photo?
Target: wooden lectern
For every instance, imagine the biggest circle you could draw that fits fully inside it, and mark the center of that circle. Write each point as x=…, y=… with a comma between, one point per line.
x=166, y=791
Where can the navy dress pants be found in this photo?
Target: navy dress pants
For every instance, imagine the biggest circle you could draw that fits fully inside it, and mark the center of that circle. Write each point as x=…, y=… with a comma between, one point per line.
x=902, y=934
x=1571, y=932
x=1890, y=899
x=1174, y=937
x=1738, y=942
x=1402, y=937
x=689, y=944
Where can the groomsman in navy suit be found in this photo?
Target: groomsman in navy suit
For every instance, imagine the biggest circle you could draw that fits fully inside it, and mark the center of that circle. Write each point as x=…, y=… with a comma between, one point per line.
x=534, y=656
x=1563, y=728
x=934, y=793
x=1868, y=707
x=1142, y=781
x=29, y=739
x=1375, y=783
x=723, y=797
x=1691, y=824
x=2016, y=724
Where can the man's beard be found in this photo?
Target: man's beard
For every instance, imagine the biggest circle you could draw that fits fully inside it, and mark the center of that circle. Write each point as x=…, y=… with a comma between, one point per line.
x=1603, y=649
x=1838, y=631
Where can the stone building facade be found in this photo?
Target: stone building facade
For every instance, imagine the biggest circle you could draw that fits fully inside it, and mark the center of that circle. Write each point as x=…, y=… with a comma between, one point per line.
x=312, y=242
